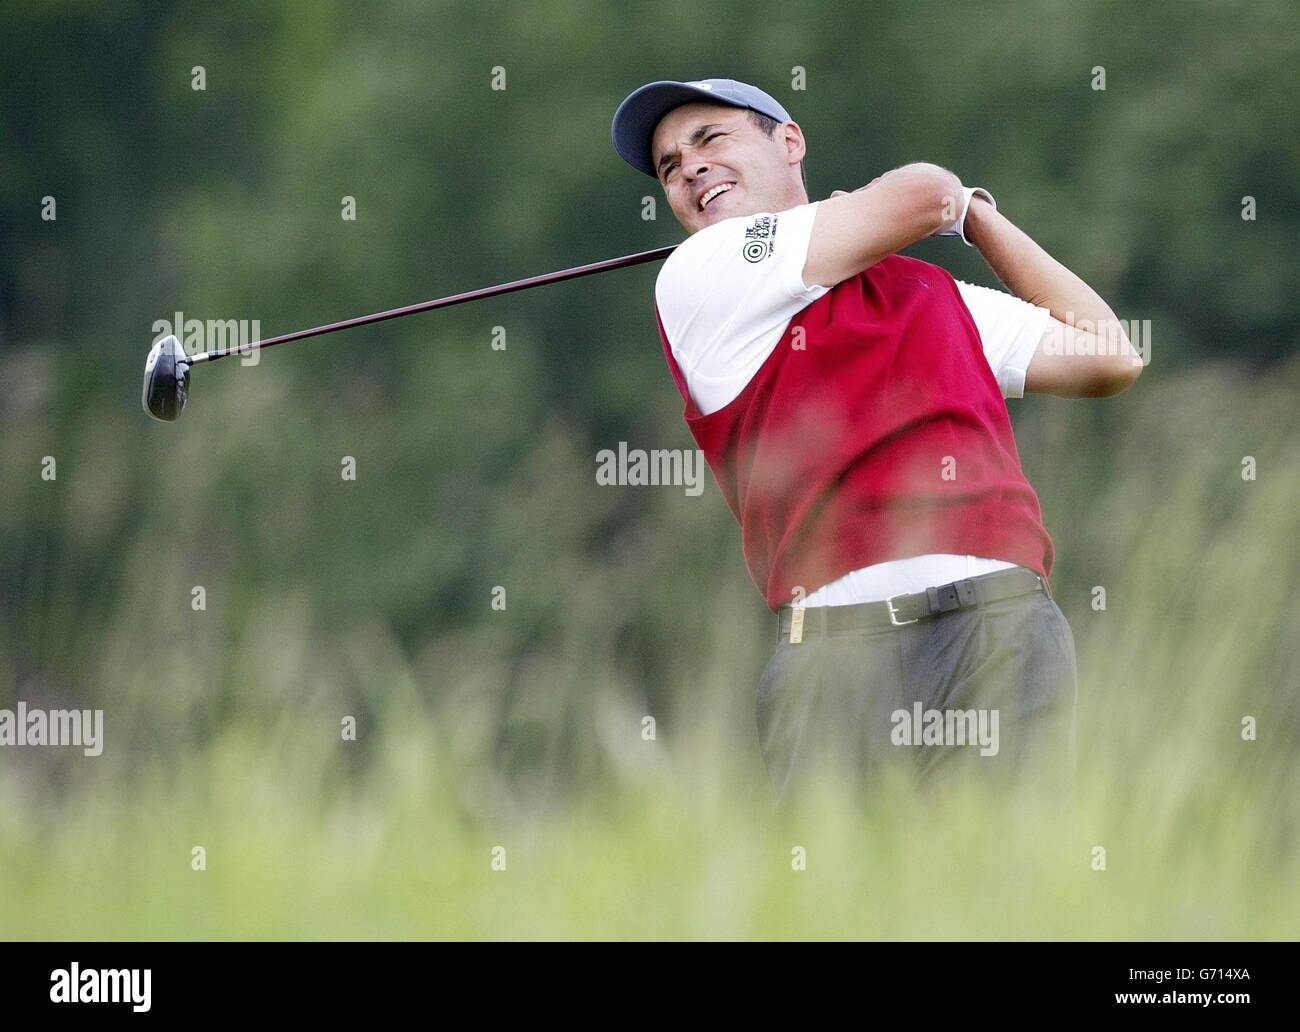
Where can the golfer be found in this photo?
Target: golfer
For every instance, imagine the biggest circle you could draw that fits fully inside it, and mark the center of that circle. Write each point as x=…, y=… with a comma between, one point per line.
x=850, y=404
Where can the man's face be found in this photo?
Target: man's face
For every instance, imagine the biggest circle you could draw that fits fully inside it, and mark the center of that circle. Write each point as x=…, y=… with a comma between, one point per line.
x=699, y=147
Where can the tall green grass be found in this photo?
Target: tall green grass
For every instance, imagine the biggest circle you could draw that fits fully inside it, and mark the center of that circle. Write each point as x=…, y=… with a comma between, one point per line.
x=522, y=730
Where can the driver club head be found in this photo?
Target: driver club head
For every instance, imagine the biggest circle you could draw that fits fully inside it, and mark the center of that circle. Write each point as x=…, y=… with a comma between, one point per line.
x=165, y=390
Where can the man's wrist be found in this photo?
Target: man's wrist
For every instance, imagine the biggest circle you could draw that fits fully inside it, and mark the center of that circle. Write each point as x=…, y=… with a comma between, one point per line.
x=977, y=218
x=965, y=198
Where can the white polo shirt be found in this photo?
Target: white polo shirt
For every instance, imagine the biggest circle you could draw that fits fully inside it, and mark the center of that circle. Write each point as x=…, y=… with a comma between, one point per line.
x=723, y=315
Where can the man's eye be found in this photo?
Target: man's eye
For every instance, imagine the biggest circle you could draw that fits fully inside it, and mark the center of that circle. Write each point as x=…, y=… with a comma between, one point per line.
x=713, y=136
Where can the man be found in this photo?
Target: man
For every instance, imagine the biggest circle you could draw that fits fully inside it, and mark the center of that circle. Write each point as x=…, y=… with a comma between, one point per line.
x=850, y=403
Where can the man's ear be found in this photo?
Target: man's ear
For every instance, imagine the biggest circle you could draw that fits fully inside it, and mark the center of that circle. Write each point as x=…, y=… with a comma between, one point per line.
x=795, y=145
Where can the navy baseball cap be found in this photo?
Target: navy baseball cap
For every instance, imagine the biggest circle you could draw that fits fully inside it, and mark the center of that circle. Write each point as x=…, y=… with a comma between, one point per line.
x=637, y=116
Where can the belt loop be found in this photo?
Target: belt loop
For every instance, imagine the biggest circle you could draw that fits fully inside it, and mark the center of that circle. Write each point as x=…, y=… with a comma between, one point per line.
x=966, y=592
x=826, y=620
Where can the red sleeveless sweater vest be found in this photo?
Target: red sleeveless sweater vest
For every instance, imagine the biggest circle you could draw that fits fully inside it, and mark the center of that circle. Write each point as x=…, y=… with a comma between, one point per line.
x=875, y=430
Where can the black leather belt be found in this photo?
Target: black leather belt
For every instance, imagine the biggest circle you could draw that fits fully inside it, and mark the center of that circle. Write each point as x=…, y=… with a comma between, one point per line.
x=799, y=623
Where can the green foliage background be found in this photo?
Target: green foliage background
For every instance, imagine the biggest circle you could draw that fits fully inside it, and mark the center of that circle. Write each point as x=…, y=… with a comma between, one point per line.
x=476, y=469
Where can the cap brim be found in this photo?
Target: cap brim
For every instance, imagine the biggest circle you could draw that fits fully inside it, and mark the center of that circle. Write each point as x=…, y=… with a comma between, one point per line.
x=636, y=118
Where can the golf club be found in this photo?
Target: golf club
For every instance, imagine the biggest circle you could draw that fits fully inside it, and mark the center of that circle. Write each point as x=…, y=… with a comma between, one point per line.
x=167, y=369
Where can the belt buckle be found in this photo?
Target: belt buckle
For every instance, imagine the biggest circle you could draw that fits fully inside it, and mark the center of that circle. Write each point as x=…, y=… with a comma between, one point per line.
x=893, y=612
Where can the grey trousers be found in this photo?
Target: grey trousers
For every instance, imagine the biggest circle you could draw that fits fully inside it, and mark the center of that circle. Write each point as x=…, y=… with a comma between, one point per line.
x=980, y=693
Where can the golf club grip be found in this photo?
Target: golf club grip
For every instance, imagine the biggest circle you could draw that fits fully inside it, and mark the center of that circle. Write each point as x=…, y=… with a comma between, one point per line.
x=443, y=302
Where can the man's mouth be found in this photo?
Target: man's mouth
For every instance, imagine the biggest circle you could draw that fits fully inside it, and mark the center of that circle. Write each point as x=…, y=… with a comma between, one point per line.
x=712, y=192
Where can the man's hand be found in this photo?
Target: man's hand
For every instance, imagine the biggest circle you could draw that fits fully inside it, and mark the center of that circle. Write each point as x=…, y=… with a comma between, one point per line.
x=853, y=231
x=1085, y=351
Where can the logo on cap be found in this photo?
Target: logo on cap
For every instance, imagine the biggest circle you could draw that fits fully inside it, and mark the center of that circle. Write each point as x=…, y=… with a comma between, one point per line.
x=701, y=85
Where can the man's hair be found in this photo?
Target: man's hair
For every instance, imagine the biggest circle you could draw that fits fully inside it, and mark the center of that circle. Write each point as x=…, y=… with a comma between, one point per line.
x=768, y=126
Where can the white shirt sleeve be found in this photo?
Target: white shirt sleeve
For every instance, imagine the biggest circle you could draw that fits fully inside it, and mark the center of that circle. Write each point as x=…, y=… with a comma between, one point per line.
x=727, y=294
x=1010, y=330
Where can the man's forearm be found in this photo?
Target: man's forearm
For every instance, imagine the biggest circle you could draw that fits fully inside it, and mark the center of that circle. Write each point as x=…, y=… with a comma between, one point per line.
x=1086, y=352
x=1031, y=273
x=851, y=232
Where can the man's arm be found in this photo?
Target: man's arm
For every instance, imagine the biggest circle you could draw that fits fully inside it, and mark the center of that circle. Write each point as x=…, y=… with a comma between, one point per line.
x=1084, y=352
x=854, y=231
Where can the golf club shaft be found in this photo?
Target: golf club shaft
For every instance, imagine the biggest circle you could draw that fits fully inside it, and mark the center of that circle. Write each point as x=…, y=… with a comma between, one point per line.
x=442, y=302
